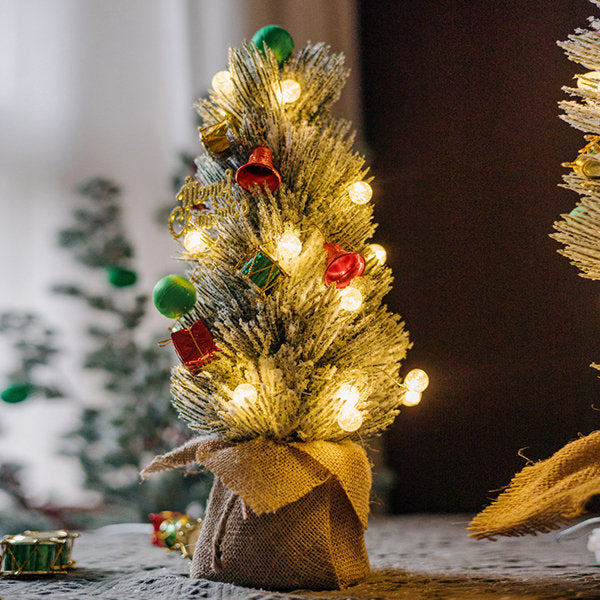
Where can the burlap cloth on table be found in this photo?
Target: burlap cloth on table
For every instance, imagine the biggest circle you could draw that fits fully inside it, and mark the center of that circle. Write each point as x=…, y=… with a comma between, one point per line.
x=545, y=495
x=280, y=516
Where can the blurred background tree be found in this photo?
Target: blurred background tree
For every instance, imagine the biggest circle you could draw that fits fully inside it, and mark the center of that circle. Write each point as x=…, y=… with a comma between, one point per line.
x=111, y=443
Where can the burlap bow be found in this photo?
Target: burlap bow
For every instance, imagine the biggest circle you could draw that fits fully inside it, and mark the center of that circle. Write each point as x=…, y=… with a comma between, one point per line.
x=545, y=495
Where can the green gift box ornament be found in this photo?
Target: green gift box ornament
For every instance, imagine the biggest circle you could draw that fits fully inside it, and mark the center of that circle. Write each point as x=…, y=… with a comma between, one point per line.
x=261, y=270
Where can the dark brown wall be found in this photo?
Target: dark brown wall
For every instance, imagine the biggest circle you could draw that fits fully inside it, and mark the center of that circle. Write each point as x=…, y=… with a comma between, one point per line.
x=460, y=104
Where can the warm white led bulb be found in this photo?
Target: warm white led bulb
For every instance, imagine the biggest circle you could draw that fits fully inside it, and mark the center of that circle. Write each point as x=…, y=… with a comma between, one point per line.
x=360, y=192
x=288, y=91
x=349, y=394
x=416, y=380
x=589, y=81
x=289, y=246
x=379, y=252
x=194, y=242
x=411, y=398
x=349, y=419
x=350, y=298
x=244, y=395
x=221, y=82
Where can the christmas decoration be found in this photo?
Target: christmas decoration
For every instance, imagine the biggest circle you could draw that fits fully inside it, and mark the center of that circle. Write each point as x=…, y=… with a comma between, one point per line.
x=175, y=531
x=276, y=39
x=288, y=91
x=195, y=242
x=378, y=252
x=37, y=553
x=282, y=415
x=64, y=560
x=289, y=246
x=120, y=276
x=585, y=165
x=261, y=270
x=545, y=495
x=244, y=396
x=416, y=380
x=174, y=296
x=360, y=192
x=157, y=519
x=342, y=266
x=221, y=82
x=259, y=171
x=214, y=137
x=588, y=81
x=17, y=392
x=195, y=346
x=349, y=418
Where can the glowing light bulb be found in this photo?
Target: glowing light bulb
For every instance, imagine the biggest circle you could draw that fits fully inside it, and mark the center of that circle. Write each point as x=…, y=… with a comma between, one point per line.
x=194, y=242
x=360, y=192
x=349, y=419
x=289, y=246
x=288, y=91
x=244, y=395
x=589, y=81
x=416, y=380
x=350, y=298
x=349, y=394
x=221, y=82
x=411, y=398
x=379, y=252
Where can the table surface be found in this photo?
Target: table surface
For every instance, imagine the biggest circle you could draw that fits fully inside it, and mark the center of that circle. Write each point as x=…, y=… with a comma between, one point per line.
x=412, y=557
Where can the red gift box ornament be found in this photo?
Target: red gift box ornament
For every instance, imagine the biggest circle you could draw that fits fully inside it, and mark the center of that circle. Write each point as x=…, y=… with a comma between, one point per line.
x=342, y=266
x=259, y=170
x=195, y=346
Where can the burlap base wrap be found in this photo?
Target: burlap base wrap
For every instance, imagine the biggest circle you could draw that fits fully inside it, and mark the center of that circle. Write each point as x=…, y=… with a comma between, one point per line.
x=545, y=495
x=280, y=516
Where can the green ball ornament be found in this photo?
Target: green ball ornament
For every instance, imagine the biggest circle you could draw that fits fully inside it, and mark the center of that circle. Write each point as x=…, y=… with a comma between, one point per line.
x=174, y=296
x=277, y=39
x=120, y=276
x=17, y=392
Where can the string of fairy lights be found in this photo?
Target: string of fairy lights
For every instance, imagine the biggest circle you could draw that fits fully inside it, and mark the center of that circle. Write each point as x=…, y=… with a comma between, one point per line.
x=175, y=296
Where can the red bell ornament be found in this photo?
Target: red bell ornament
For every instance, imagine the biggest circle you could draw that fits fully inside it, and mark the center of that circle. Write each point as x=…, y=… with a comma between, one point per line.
x=259, y=170
x=342, y=266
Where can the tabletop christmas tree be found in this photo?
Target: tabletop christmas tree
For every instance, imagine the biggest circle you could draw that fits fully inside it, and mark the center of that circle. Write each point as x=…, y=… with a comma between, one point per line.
x=289, y=359
x=547, y=494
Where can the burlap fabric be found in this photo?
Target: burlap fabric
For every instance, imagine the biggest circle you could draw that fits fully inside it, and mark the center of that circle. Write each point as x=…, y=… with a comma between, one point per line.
x=545, y=495
x=280, y=516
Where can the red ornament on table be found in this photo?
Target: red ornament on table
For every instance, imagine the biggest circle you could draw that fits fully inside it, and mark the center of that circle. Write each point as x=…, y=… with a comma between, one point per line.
x=342, y=266
x=195, y=346
x=259, y=170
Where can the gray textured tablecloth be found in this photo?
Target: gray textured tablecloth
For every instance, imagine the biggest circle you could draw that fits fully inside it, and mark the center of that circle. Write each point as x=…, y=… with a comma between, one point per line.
x=412, y=557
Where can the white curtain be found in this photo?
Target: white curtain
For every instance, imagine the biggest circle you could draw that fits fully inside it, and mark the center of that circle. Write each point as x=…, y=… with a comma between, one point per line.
x=105, y=87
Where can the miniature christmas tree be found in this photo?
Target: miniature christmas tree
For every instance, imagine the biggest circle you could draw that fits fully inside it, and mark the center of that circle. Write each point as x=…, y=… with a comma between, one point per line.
x=289, y=358
x=547, y=494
